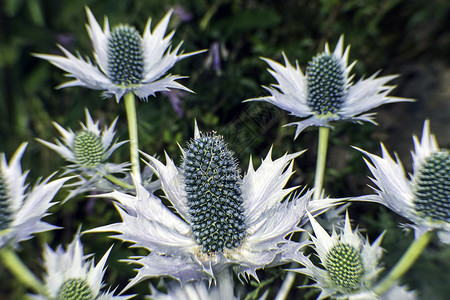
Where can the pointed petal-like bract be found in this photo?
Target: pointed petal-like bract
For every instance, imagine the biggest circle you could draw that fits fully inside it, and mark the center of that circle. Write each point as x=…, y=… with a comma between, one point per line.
x=324, y=245
x=157, y=56
x=291, y=92
x=71, y=264
x=25, y=209
x=396, y=191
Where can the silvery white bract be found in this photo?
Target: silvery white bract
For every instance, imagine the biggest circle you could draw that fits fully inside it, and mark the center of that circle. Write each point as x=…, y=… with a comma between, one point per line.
x=193, y=291
x=424, y=197
x=398, y=292
x=350, y=263
x=199, y=290
x=88, y=150
x=21, y=211
x=70, y=275
x=183, y=248
x=126, y=62
x=326, y=92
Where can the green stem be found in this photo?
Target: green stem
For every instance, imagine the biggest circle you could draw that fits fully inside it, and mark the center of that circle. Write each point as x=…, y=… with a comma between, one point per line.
x=22, y=273
x=255, y=293
x=403, y=265
x=287, y=284
x=118, y=182
x=324, y=132
x=133, y=134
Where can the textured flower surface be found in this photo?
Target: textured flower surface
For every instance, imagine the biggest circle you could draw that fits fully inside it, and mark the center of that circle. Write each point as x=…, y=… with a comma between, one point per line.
x=220, y=220
x=326, y=92
x=424, y=197
x=70, y=276
x=21, y=211
x=350, y=262
x=126, y=62
x=88, y=150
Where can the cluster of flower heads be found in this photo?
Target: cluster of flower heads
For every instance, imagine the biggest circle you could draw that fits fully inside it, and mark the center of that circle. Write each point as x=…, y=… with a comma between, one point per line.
x=232, y=222
x=219, y=220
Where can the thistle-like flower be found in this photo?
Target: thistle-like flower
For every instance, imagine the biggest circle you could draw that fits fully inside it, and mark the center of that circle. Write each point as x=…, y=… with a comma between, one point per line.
x=126, y=62
x=88, y=150
x=70, y=276
x=326, y=92
x=350, y=263
x=20, y=211
x=221, y=220
x=424, y=198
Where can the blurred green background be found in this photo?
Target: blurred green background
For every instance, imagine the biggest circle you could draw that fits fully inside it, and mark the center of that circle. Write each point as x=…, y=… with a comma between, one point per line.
x=410, y=38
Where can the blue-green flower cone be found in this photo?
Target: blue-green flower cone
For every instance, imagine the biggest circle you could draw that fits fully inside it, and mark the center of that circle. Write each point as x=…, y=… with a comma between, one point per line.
x=432, y=187
x=125, y=56
x=5, y=213
x=213, y=194
x=326, y=84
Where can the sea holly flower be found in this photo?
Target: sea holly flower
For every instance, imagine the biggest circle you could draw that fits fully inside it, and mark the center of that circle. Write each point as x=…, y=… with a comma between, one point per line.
x=424, y=197
x=220, y=220
x=70, y=275
x=126, y=62
x=350, y=263
x=21, y=211
x=326, y=93
x=89, y=148
x=88, y=151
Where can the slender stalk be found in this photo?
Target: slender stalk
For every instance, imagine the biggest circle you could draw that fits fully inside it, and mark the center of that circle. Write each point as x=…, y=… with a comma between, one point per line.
x=22, y=273
x=133, y=134
x=324, y=132
x=322, y=147
x=118, y=182
x=287, y=284
x=404, y=264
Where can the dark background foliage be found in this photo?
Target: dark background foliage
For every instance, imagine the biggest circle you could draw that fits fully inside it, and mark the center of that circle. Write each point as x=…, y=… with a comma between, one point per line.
x=410, y=38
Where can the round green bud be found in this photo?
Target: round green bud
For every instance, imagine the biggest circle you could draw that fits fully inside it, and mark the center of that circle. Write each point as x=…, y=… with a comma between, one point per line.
x=432, y=187
x=75, y=289
x=345, y=267
x=88, y=149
